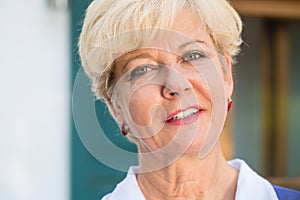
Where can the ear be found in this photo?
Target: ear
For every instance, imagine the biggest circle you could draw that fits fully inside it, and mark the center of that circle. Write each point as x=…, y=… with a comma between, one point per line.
x=115, y=111
x=228, y=76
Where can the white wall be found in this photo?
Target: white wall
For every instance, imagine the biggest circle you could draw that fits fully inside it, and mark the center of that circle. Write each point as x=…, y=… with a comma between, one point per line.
x=34, y=101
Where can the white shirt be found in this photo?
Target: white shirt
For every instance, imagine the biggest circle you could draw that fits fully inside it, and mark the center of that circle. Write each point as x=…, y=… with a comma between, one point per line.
x=250, y=185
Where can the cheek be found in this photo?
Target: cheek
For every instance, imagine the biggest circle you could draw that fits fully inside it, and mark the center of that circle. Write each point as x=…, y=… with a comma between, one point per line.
x=200, y=89
x=222, y=68
x=209, y=80
x=140, y=104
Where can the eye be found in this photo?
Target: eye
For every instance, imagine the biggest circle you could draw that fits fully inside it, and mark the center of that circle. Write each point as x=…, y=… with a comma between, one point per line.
x=141, y=70
x=191, y=56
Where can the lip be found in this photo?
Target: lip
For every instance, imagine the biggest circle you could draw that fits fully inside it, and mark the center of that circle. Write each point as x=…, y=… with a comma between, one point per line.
x=184, y=121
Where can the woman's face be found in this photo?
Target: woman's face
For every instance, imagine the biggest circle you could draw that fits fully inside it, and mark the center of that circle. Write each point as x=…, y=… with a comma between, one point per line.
x=163, y=92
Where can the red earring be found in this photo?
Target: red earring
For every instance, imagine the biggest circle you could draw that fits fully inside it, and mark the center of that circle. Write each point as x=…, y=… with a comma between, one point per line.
x=229, y=104
x=124, y=129
x=123, y=133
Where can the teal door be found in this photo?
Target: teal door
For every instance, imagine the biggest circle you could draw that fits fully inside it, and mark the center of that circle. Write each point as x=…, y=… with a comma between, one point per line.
x=90, y=179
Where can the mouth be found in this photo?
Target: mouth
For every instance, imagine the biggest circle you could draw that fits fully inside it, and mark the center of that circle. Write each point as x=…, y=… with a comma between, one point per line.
x=185, y=116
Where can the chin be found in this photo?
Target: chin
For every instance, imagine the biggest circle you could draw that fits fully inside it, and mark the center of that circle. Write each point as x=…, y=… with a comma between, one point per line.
x=193, y=149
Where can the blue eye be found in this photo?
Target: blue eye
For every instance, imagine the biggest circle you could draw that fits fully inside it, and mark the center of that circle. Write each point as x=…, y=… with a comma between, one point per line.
x=191, y=56
x=141, y=70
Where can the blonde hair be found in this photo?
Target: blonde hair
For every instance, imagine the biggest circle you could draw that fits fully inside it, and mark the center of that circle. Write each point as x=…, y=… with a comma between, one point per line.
x=106, y=20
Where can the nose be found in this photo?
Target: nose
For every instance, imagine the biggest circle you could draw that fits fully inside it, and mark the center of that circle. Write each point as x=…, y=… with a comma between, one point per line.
x=175, y=84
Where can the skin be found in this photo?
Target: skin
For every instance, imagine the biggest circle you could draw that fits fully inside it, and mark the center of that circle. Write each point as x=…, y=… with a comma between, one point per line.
x=214, y=178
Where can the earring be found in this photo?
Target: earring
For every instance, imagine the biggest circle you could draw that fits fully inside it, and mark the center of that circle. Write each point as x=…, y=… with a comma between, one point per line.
x=229, y=104
x=124, y=129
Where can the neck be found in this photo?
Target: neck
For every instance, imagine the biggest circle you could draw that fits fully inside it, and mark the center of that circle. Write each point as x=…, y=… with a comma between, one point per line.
x=191, y=178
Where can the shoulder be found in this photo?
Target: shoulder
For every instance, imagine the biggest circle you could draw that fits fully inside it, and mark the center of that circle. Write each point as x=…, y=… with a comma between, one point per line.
x=106, y=197
x=127, y=189
x=251, y=185
x=286, y=193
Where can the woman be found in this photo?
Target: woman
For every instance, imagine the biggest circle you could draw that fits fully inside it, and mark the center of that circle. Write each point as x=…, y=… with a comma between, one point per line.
x=164, y=68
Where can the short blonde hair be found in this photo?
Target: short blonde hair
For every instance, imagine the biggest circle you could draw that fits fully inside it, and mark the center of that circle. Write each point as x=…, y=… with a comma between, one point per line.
x=107, y=19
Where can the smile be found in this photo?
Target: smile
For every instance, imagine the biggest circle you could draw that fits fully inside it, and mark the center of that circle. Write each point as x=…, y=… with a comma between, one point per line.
x=184, y=117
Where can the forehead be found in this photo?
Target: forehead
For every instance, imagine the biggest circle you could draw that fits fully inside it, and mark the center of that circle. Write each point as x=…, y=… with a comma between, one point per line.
x=189, y=24
x=187, y=31
x=186, y=28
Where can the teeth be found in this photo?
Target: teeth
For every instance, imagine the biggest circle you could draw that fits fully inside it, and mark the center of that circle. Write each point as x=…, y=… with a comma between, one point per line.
x=185, y=114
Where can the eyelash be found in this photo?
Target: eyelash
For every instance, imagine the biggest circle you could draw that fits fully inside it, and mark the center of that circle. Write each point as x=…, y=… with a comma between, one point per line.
x=193, y=53
x=145, y=69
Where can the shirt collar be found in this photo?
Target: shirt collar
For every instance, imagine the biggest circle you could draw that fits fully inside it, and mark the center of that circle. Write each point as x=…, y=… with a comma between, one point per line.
x=250, y=185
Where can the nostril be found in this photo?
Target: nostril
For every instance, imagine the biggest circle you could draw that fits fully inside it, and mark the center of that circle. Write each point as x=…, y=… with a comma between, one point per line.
x=167, y=93
x=186, y=89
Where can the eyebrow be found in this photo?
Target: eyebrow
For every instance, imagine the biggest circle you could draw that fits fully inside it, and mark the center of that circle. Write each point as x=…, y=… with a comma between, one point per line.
x=143, y=55
x=147, y=55
x=192, y=42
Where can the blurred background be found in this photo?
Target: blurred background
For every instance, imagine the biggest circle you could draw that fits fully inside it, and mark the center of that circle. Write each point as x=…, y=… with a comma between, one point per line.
x=35, y=92
x=42, y=156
